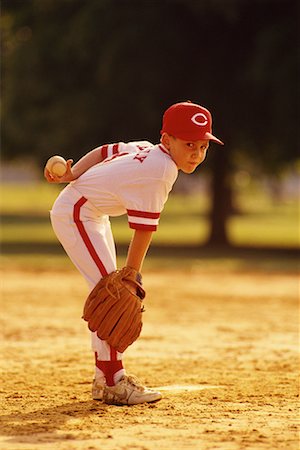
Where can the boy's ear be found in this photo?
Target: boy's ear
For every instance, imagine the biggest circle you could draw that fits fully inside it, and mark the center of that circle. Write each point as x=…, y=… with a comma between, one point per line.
x=165, y=140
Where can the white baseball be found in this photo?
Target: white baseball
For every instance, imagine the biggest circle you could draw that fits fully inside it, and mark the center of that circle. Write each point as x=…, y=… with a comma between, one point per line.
x=57, y=165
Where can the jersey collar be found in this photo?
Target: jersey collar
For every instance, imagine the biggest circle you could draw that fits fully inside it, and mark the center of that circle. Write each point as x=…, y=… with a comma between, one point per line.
x=163, y=149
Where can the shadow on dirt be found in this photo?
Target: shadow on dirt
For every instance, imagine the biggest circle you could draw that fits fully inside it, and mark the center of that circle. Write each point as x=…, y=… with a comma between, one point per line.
x=42, y=425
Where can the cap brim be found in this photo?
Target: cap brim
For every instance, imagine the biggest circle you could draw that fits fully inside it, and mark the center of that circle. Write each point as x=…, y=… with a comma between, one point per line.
x=193, y=136
x=213, y=138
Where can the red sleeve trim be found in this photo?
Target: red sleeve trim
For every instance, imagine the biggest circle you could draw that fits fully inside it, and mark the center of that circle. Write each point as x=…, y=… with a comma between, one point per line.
x=104, y=151
x=115, y=149
x=139, y=226
x=144, y=214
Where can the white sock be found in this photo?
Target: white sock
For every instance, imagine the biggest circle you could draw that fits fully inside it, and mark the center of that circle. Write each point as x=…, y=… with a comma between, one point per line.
x=118, y=375
x=99, y=375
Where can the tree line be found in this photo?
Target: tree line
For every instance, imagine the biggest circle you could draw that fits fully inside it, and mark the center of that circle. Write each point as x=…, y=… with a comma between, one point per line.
x=77, y=74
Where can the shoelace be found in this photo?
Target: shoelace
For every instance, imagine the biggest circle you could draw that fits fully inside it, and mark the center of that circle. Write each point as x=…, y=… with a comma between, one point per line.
x=131, y=379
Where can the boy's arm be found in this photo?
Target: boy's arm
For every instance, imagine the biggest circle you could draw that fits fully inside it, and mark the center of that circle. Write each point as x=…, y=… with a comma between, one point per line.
x=138, y=248
x=87, y=161
x=90, y=159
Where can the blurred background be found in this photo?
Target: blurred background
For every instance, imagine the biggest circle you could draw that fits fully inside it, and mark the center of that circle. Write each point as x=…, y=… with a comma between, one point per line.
x=80, y=73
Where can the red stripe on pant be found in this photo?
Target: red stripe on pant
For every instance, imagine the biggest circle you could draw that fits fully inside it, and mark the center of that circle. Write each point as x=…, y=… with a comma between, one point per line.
x=109, y=368
x=85, y=237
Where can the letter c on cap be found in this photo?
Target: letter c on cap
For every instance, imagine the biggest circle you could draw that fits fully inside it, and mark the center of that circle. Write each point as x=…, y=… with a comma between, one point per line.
x=199, y=119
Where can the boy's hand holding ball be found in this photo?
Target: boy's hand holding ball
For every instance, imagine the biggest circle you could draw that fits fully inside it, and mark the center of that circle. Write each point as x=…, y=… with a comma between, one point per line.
x=58, y=170
x=57, y=165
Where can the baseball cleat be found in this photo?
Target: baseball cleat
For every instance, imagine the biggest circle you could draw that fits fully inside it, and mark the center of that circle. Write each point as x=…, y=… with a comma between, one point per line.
x=129, y=391
x=98, y=388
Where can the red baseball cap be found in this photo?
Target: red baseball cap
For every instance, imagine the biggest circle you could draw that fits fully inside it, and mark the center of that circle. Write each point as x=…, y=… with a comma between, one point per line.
x=189, y=122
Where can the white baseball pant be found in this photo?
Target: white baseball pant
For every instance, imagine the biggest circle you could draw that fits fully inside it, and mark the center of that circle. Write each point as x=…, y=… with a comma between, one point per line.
x=87, y=239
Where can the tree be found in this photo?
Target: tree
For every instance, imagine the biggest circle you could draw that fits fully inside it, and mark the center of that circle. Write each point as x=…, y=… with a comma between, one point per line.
x=76, y=74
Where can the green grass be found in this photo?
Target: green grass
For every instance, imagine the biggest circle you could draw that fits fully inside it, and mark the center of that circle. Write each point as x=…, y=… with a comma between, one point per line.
x=27, y=232
x=202, y=261
x=261, y=222
x=28, y=199
x=272, y=229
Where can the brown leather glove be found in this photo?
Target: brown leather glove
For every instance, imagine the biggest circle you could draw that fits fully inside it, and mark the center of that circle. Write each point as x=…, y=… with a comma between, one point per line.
x=114, y=308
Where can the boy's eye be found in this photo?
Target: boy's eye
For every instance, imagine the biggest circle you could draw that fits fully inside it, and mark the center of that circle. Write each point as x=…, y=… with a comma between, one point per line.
x=191, y=145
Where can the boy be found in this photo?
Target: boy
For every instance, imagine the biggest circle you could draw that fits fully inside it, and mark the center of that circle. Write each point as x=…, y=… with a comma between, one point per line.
x=116, y=179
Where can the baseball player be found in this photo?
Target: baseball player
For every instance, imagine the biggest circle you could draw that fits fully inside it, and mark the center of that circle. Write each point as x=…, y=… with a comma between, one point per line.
x=132, y=178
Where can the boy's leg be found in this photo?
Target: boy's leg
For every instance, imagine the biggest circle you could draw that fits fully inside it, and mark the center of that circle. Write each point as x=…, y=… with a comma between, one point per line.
x=88, y=241
x=108, y=360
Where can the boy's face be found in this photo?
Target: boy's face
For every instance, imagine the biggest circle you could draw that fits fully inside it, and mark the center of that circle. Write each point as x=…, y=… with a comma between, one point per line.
x=186, y=154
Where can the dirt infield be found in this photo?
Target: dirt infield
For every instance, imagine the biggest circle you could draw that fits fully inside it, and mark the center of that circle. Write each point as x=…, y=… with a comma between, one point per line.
x=222, y=348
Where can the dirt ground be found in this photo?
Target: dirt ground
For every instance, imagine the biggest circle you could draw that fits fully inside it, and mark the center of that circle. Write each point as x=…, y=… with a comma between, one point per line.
x=222, y=347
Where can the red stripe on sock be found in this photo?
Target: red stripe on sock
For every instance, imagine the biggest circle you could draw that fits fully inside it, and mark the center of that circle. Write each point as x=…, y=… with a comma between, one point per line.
x=109, y=368
x=113, y=354
x=85, y=237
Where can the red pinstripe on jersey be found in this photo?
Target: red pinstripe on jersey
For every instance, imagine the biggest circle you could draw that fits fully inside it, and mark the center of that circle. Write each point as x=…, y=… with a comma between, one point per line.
x=85, y=237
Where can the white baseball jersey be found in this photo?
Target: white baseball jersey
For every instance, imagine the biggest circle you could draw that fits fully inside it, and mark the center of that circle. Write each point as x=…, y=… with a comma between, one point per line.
x=133, y=178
